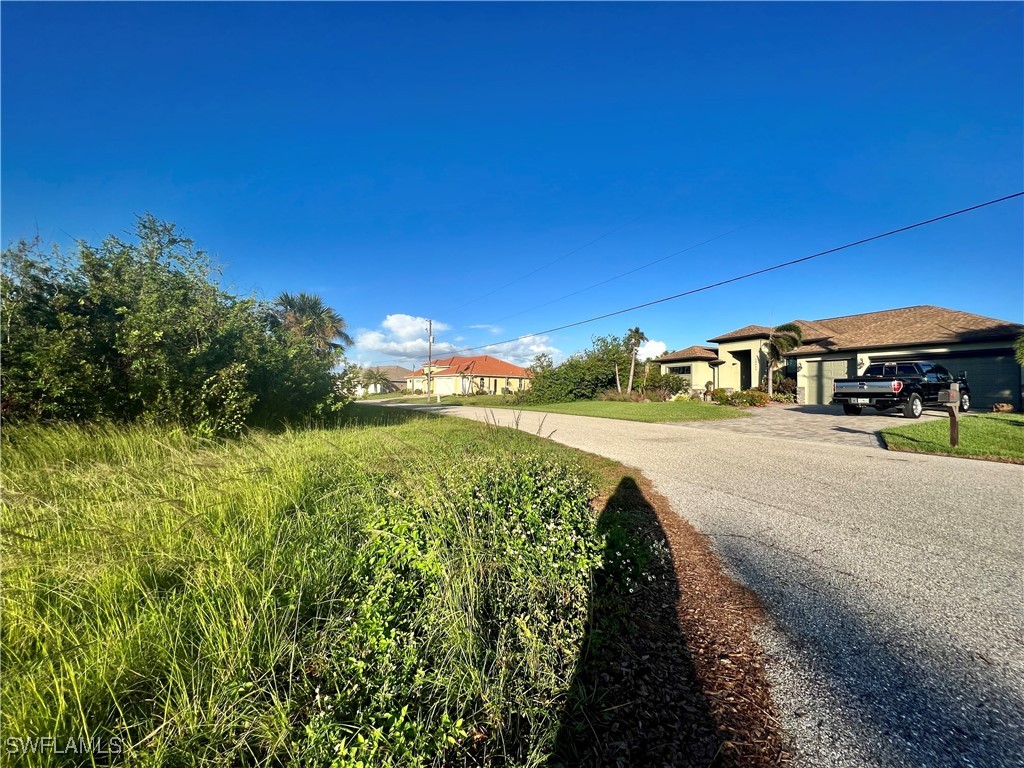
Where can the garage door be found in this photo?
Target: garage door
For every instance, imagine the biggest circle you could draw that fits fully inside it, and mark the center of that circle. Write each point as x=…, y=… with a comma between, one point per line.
x=820, y=376
x=993, y=378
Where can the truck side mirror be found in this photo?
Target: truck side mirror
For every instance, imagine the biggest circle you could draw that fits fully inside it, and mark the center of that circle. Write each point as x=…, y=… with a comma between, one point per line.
x=961, y=374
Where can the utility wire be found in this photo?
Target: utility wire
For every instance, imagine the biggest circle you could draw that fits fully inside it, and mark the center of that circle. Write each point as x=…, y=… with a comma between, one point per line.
x=746, y=276
x=631, y=271
x=542, y=267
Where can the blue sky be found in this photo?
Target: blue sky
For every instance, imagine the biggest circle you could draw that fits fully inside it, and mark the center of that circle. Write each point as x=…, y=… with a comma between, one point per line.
x=410, y=161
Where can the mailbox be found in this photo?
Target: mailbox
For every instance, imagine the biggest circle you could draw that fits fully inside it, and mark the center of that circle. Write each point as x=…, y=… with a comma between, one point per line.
x=950, y=396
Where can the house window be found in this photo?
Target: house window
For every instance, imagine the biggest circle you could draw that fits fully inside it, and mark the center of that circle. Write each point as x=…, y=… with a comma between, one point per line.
x=682, y=370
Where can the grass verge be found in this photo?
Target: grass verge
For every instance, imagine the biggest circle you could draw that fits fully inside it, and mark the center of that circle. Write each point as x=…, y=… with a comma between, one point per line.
x=411, y=591
x=991, y=436
x=680, y=410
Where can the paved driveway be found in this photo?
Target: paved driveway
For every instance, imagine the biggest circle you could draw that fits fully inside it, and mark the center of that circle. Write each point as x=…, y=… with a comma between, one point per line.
x=895, y=581
x=817, y=423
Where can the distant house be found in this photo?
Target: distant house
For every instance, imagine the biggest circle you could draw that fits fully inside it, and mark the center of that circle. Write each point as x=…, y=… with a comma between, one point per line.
x=837, y=347
x=396, y=380
x=469, y=375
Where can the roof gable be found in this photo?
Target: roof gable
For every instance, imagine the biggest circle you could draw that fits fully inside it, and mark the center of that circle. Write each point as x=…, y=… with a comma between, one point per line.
x=690, y=353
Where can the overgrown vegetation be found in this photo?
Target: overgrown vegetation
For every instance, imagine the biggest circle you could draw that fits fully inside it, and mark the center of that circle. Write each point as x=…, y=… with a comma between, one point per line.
x=997, y=436
x=408, y=594
x=598, y=371
x=142, y=331
x=741, y=399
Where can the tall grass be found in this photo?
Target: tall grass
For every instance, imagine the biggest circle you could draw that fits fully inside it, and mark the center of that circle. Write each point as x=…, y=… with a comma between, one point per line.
x=403, y=594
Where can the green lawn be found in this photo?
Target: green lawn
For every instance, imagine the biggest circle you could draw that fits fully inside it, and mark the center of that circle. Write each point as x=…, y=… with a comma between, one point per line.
x=995, y=436
x=402, y=590
x=681, y=410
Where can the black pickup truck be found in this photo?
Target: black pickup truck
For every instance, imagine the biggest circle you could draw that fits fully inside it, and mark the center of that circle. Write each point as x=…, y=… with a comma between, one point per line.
x=910, y=385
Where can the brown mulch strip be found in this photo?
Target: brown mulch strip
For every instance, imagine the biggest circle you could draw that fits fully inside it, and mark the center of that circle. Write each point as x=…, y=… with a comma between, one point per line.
x=678, y=680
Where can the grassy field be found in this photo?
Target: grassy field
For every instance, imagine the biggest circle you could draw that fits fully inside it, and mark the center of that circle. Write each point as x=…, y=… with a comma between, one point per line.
x=681, y=410
x=403, y=590
x=996, y=436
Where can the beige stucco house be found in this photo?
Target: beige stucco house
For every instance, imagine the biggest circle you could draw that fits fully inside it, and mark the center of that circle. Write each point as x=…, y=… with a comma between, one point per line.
x=469, y=375
x=837, y=347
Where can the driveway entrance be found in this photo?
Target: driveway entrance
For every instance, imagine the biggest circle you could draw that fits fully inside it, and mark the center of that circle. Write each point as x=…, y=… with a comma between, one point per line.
x=816, y=423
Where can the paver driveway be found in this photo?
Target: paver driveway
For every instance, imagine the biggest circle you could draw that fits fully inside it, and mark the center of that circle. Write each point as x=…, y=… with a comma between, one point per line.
x=818, y=423
x=895, y=581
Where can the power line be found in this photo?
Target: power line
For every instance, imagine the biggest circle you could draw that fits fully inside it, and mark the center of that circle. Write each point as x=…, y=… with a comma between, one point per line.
x=542, y=267
x=631, y=271
x=745, y=276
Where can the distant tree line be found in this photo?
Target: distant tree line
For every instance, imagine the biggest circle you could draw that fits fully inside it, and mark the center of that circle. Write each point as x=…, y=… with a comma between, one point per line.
x=141, y=331
x=599, y=372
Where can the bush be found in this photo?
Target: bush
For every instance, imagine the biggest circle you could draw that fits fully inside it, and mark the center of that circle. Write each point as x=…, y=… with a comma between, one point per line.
x=141, y=331
x=743, y=399
x=750, y=397
x=720, y=396
x=783, y=397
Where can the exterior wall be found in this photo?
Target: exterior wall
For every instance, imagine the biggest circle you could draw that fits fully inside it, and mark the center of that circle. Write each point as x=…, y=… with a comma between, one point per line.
x=464, y=384
x=729, y=373
x=811, y=389
x=701, y=372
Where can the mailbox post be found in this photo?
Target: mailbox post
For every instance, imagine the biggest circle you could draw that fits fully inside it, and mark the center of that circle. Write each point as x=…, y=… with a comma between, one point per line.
x=951, y=398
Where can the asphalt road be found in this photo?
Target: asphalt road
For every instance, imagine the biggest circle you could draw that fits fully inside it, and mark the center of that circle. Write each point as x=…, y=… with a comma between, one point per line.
x=895, y=582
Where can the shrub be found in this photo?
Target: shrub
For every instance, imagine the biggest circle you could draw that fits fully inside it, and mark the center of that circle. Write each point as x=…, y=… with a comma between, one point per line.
x=783, y=397
x=141, y=331
x=720, y=396
x=750, y=397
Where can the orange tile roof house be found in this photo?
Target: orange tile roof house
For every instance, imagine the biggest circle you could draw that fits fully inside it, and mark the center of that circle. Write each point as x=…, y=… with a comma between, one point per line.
x=837, y=347
x=469, y=375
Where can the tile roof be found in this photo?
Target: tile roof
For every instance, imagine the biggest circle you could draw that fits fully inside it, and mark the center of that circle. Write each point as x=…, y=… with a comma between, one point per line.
x=746, y=332
x=898, y=327
x=690, y=353
x=478, y=365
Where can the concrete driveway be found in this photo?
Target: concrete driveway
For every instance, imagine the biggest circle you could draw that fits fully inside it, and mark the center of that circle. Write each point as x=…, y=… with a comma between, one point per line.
x=816, y=423
x=895, y=582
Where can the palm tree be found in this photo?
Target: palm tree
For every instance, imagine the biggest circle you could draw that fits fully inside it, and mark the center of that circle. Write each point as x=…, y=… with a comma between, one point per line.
x=633, y=340
x=306, y=315
x=781, y=341
x=375, y=377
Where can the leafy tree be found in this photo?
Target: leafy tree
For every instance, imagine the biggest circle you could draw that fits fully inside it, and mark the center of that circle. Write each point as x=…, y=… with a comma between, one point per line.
x=541, y=364
x=781, y=341
x=634, y=338
x=306, y=315
x=141, y=330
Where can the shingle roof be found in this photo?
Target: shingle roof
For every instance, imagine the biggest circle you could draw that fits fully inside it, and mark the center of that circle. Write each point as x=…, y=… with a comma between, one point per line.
x=899, y=327
x=393, y=372
x=690, y=353
x=747, y=332
x=478, y=365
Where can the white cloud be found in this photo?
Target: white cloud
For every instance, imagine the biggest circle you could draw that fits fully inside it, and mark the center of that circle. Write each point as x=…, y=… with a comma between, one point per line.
x=403, y=338
x=522, y=350
x=485, y=327
x=650, y=349
x=407, y=327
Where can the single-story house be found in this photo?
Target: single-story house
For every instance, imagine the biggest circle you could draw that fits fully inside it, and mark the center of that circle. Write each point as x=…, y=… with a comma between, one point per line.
x=838, y=347
x=698, y=365
x=395, y=380
x=469, y=375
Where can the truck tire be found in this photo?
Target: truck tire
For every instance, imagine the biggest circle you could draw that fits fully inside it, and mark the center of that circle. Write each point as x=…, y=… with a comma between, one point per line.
x=913, y=407
x=851, y=410
x=965, y=402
